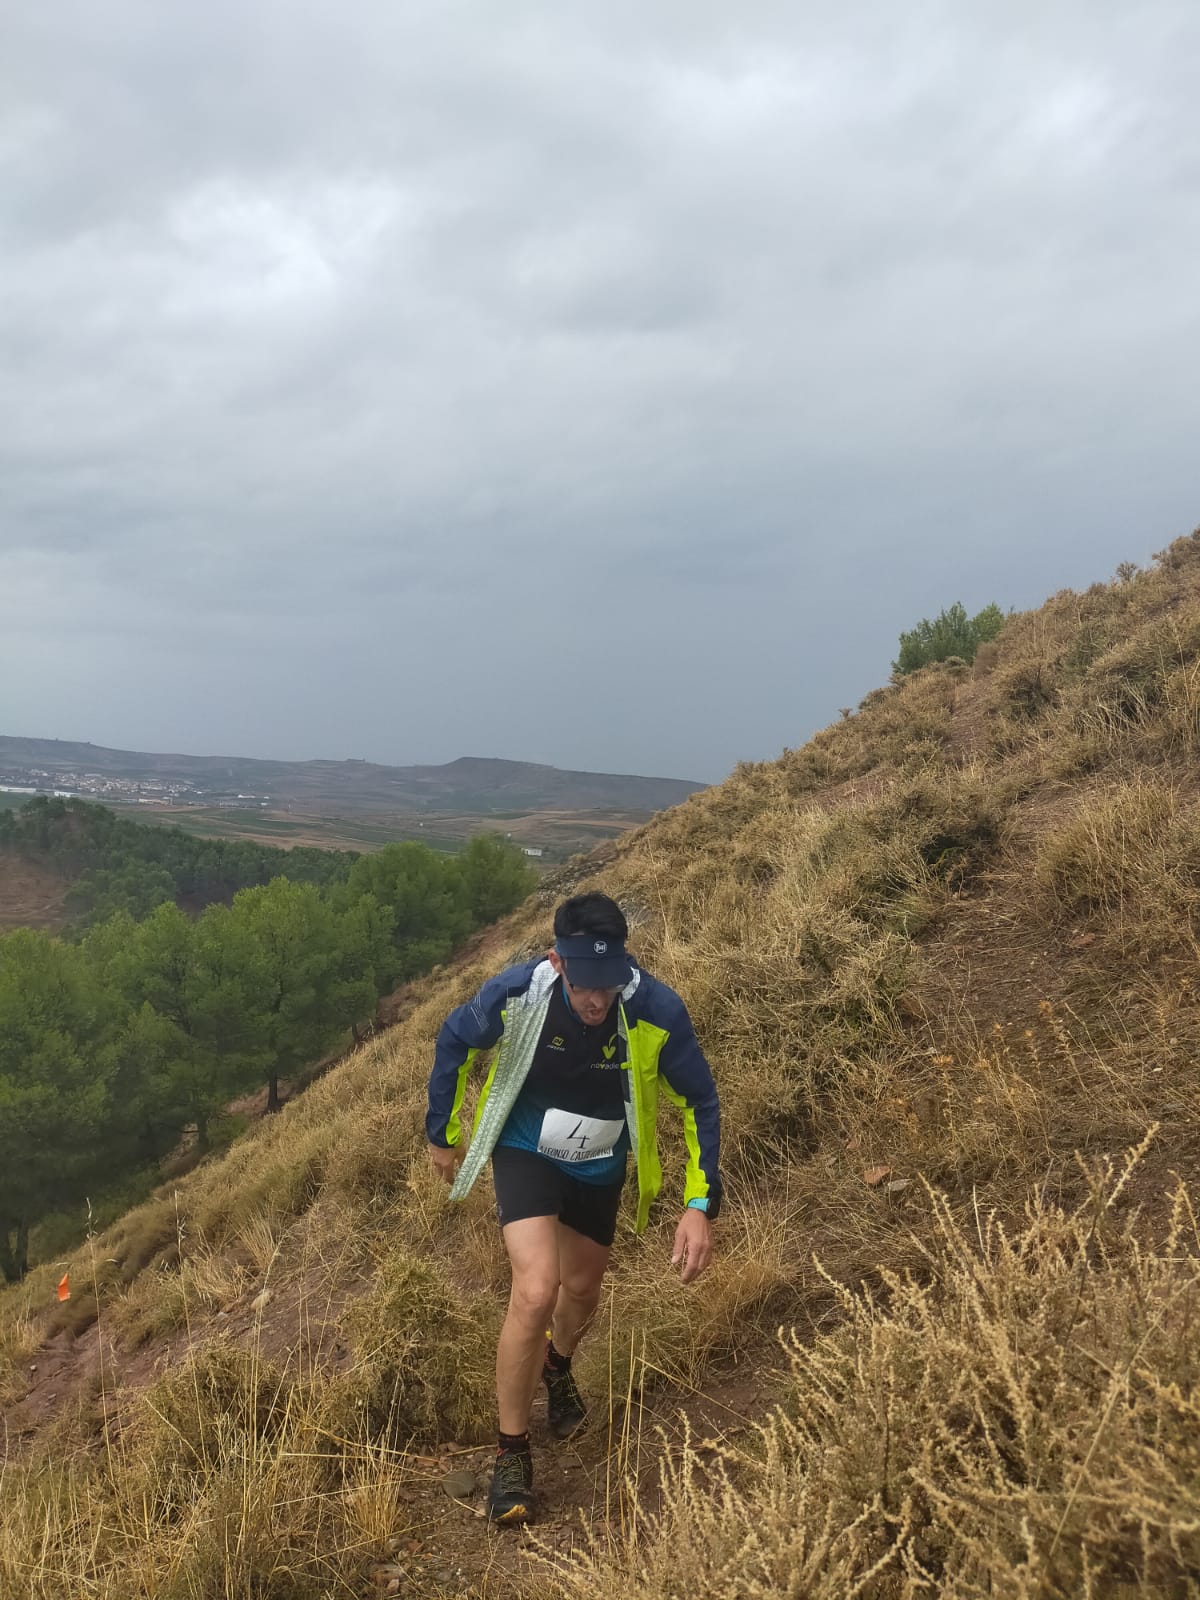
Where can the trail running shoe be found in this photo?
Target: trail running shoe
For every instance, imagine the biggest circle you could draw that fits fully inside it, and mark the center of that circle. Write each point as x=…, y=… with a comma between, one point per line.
x=565, y=1410
x=511, y=1500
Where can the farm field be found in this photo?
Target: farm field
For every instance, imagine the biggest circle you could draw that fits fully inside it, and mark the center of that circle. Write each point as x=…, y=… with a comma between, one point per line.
x=559, y=833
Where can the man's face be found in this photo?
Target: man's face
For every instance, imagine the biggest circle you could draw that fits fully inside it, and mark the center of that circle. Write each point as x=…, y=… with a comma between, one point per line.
x=590, y=1005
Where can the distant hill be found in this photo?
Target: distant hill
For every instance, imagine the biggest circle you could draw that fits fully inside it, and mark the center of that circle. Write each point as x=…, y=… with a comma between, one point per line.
x=474, y=785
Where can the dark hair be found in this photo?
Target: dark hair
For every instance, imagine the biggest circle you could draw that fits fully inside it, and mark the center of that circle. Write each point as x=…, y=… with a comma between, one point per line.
x=590, y=913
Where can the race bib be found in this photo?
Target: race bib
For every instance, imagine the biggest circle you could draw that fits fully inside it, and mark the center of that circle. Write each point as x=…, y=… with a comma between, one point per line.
x=567, y=1136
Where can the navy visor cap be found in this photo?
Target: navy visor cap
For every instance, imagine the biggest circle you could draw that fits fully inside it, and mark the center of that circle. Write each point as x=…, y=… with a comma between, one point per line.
x=593, y=962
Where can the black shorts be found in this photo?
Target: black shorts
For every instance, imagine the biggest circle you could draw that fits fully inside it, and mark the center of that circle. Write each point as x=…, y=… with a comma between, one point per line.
x=527, y=1185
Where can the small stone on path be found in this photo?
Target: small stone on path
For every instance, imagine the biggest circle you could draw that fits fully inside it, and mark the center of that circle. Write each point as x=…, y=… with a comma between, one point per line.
x=460, y=1484
x=386, y=1576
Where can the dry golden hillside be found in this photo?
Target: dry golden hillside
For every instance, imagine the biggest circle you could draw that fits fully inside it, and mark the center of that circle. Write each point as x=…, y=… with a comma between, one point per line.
x=944, y=962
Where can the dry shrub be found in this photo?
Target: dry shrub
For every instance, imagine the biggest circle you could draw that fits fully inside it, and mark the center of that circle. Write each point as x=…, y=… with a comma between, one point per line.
x=1145, y=684
x=1022, y=1422
x=1024, y=686
x=1028, y=689
x=237, y=1460
x=781, y=989
x=218, y=1390
x=1113, y=669
x=954, y=820
x=424, y=1357
x=1130, y=859
x=154, y=1305
x=227, y=1483
x=904, y=725
x=20, y=1337
x=373, y=1499
x=145, y=1238
x=260, y=1237
x=373, y=1162
x=990, y=1113
x=1181, y=557
x=36, y=1550
x=651, y=1329
x=794, y=948
x=900, y=726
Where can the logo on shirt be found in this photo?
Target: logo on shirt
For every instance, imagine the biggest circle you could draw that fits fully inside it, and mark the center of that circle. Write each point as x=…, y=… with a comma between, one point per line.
x=557, y=1043
x=609, y=1052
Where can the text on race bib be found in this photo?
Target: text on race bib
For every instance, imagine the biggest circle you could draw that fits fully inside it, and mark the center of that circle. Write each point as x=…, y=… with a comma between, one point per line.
x=568, y=1136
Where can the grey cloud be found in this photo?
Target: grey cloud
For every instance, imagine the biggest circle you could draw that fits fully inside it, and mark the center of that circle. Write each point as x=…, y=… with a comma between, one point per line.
x=412, y=344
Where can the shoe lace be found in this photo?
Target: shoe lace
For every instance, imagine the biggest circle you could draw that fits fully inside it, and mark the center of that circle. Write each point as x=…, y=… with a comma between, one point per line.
x=560, y=1386
x=513, y=1471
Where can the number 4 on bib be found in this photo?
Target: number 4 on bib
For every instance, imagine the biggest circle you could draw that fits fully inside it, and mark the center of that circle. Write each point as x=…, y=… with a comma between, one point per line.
x=567, y=1136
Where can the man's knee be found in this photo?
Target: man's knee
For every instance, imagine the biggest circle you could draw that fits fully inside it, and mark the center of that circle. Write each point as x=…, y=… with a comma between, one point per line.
x=583, y=1287
x=534, y=1295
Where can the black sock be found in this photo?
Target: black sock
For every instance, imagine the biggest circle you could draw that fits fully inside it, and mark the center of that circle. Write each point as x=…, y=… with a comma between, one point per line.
x=517, y=1442
x=555, y=1359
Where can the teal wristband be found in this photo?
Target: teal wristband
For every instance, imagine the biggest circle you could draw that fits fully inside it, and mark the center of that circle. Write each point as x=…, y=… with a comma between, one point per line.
x=698, y=1205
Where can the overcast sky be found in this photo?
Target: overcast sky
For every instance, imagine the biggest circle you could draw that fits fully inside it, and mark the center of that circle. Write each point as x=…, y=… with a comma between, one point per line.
x=604, y=385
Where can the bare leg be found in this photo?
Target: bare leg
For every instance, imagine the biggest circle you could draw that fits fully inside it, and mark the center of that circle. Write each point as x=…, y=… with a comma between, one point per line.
x=533, y=1250
x=581, y=1267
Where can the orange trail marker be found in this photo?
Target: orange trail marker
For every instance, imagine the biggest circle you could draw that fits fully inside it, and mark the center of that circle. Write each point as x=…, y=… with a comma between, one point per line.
x=64, y=1288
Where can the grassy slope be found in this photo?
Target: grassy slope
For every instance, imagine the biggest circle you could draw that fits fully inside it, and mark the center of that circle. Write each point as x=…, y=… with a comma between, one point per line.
x=953, y=937
x=30, y=897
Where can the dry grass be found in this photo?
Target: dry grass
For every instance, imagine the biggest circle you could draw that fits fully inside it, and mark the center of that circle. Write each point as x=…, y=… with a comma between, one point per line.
x=235, y=1474
x=424, y=1356
x=1128, y=860
x=159, y=1301
x=1022, y=1421
x=20, y=1337
x=653, y=1332
x=954, y=936
x=229, y=1485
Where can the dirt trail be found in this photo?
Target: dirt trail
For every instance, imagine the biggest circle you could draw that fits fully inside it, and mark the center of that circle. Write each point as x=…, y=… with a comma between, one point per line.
x=441, y=1544
x=447, y=1547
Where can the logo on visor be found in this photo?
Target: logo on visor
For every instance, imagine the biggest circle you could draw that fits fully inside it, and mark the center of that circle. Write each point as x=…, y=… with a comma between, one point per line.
x=600, y=947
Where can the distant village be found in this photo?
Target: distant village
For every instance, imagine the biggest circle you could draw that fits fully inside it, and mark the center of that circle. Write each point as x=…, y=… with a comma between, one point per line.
x=163, y=793
x=68, y=785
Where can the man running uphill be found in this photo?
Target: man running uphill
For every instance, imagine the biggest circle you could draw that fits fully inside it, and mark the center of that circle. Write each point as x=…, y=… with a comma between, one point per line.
x=587, y=1042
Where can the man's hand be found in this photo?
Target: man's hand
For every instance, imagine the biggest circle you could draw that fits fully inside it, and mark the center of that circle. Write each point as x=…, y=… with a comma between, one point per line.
x=445, y=1161
x=693, y=1245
